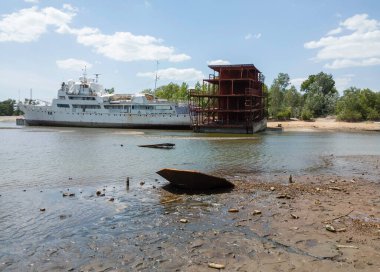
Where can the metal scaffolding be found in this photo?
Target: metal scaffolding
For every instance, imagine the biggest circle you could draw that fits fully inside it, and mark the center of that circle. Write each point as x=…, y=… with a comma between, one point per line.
x=231, y=99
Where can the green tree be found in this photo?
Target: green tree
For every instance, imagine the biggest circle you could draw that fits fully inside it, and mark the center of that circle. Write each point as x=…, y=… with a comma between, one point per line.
x=110, y=91
x=283, y=102
x=358, y=105
x=7, y=107
x=173, y=92
x=293, y=101
x=320, y=94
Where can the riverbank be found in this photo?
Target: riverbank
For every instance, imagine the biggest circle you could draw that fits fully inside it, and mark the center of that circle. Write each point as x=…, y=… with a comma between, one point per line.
x=9, y=118
x=326, y=124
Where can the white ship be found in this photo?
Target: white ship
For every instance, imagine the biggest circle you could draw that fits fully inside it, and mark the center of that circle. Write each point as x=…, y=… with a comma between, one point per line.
x=85, y=103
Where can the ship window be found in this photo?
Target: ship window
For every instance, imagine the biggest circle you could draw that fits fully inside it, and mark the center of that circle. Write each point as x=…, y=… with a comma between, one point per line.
x=163, y=107
x=86, y=106
x=63, y=105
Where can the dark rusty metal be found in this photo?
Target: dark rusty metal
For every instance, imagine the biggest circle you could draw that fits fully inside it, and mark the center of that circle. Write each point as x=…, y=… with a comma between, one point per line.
x=233, y=98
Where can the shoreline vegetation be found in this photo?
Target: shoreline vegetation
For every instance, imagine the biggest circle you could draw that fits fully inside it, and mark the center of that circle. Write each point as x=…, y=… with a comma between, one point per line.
x=319, y=124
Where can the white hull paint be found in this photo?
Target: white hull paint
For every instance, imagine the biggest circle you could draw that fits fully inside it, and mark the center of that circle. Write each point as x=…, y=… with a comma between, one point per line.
x=85, y=104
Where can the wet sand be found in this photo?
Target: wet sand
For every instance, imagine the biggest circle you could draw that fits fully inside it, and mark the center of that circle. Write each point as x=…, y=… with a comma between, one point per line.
x=276, y=226
x=325, y=124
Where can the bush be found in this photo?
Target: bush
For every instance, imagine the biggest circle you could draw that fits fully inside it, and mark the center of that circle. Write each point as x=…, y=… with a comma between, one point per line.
x=350, y=116
x=284, y=114
x=306, y=115
x=373, y=115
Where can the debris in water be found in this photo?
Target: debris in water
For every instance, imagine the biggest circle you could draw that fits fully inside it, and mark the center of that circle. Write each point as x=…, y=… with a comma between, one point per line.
x=183, y=220
x=233, y=210
x=42, y=209
x=294, y=216
x=255, y=212
x=346, y=246
x=335, y=188
x=291, y=179
x=216, y=265
x=330, y=228
x=272, y=188
x=193, y=180
x=162, y=146
x=68, y=194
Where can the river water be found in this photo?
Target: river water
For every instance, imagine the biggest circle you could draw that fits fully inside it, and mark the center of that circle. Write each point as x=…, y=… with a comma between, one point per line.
x=38, y=164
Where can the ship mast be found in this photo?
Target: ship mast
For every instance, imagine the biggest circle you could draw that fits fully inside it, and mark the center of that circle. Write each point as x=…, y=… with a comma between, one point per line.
x=155, y=82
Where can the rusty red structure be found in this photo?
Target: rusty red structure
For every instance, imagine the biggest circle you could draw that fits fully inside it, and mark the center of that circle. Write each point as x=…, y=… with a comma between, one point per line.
x=231, y=101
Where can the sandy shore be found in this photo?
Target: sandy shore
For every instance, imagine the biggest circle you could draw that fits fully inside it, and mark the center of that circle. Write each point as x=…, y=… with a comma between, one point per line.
x=9, y=118
x=325, y=124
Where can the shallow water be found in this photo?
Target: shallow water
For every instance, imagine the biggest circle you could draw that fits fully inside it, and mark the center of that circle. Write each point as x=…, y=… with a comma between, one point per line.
x=45, y=162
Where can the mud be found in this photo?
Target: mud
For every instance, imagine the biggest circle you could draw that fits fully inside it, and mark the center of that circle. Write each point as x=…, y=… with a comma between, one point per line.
x=264, y=224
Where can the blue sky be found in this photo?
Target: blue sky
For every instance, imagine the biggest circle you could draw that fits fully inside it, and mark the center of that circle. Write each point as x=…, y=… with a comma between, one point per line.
x=43, y=43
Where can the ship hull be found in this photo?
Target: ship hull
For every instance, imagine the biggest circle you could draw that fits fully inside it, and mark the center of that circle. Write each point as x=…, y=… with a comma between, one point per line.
x=105, y=125
x=48, y=116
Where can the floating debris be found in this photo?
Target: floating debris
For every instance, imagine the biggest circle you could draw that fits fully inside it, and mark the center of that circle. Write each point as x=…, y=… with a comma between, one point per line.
x=216, y=266
x=68, y=194
x=272, y=188
x=291, y=179
x=256, y=212
x=183, y=220
x=162, y=146
x=341, y=230
x=111, y=199
x=233, y=210
x=193, y=180
x=330, y=228
x=42, y=209
x=335, y=188
x=346, y=246
x=294, y=216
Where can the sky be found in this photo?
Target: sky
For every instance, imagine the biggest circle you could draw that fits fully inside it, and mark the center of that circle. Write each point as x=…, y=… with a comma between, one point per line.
x=43, y=43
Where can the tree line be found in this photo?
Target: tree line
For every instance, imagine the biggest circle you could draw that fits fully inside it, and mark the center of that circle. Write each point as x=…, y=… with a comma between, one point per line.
x=8, y=108
x=317, y=97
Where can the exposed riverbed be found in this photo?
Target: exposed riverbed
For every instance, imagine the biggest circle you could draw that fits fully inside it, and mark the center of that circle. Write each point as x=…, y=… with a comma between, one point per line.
x=141, y=229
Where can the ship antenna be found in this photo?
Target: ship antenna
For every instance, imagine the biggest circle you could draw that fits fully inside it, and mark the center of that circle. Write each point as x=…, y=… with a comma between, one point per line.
x=155, y=81
x=96, y=77
x=85, y=74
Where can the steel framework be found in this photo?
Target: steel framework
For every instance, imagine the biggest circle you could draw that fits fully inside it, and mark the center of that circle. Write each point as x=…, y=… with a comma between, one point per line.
x=231, y=99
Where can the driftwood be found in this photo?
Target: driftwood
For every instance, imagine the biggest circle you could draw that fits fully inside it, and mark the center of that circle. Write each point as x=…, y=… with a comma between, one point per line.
x=162, y=146
x=193, y=180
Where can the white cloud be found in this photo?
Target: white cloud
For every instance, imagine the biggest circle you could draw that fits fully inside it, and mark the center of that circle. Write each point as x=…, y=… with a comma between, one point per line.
x=359, y=47
x=345, y=63
x=27, y=25
x=174, y=74
x=250, y=36
x=124, y=46
x=218, y=62
x=297, y=82
x=334, y=31
x=32, y=1
x=73, y=64
x=343, y=82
